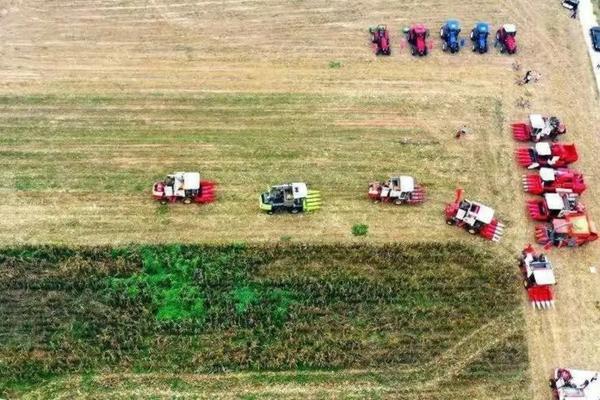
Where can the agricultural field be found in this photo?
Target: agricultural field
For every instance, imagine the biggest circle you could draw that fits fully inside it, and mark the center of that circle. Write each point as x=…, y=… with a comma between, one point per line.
x=100, y=98
x=313, y=316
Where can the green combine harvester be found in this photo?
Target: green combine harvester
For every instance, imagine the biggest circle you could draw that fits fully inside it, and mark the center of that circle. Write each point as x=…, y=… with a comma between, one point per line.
x=290, y=197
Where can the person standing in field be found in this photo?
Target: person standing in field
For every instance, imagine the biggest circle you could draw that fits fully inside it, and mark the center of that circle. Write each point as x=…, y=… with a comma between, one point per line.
x=461, y=132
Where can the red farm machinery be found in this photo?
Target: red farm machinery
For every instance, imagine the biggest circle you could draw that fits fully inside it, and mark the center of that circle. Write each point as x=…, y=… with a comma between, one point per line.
x=538, y=128
x=506, y=39
x=474, y=217
x=538, y=278
x=554, y=205
x=570, y=231
x=549, y=180
x=546, y=154
x=398, y=190
x=416, y=37
x=380, y=39
x=186, y=187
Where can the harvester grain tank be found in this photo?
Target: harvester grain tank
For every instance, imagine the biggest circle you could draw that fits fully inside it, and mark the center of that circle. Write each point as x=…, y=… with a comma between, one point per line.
x=570, y=231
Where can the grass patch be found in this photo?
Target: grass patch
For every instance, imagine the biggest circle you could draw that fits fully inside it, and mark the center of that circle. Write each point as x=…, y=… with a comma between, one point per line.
x=360, y=230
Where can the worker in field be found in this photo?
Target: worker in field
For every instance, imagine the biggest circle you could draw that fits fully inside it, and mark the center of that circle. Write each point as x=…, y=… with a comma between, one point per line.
x=461, y=132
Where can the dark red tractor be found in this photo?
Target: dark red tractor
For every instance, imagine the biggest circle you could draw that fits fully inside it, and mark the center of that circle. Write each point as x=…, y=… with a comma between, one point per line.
x=417, y=40
x=544, y=154
x=381, y=40
x=506, y=38
x=550, y=180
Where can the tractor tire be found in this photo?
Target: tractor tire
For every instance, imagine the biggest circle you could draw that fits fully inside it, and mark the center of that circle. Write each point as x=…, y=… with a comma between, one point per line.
x=187, y=200
x=450, y=222
x=525, y=284
x=472, y=231
x=442, y=33
x=444, y=46
x=294, y=211
x=413, y=51
x=164, y=202
x=474, y=48
x=502, y=49
x=398, y=202
x=472, y=35
x=270, y=212
x=425, y=51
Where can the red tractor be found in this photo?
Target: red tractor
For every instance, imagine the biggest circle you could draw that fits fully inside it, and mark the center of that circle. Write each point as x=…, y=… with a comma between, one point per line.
x=545, y=154
x=398, y=189
x=474, y=217
x=570, y=231
x=575, y=384
x=538, y=128
x=417, y=40
x=550, y=180
x=538, y=278
x=554, y=205
x=381, y=39
x=185, y=187
x=506, y=38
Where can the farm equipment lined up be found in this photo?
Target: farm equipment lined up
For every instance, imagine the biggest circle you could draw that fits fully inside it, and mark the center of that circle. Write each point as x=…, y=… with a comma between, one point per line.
x=538, y=128
x=544, y=154
x=417, y=35
x=549, y=180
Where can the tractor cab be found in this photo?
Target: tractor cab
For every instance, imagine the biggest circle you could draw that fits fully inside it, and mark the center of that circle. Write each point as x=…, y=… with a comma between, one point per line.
x=538, y=268
x=570, y=4
x=561, y=204
x=292, y=197
x=399, y=187
x=473, y=213
x=449, y=33
x=575, y=384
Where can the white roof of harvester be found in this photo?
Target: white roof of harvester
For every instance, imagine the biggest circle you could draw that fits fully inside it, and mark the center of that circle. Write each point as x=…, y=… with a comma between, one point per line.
x=509, y=28
x=537, y=121
x=485, y=214
x=191, y=180
x=407, y=183
x=299, y=190
x=590, y=392
x=554, y=201
x=544, y=276
x=547, y=174
x=543, y=149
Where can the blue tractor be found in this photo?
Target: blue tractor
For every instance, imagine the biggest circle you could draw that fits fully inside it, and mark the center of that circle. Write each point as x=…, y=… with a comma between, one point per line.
x=479, y=37
x=450, y=36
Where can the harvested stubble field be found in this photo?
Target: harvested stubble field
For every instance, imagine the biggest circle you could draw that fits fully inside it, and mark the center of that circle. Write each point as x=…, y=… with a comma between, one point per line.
x=100, y=98
x=174, y=315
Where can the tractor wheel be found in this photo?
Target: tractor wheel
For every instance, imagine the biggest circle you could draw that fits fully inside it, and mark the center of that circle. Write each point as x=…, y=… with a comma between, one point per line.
x=450, y=222
x=472, y=231
x=270, y=212
x=413, y=51
x=425, y=51
x=164, y=202
x=525, y=284
x=502, y=48
x=398, y=201
x=187, y=200
x=474, y=48
x=444, y=46
x=294, y=211
x=472, y=35
x=442, y=32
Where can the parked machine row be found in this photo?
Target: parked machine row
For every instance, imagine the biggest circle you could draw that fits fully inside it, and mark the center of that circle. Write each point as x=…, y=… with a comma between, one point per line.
x=416, y=37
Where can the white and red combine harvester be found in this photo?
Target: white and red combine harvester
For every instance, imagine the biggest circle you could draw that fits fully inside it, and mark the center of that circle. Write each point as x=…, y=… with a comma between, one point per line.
x=398, y=190
x=538, y=278
x=544, y=154
x=554, y=205
x=538, y=128
x=474, y=217
x=569, y=231
x=549, y=180
x=575, y=384
x=186, y=187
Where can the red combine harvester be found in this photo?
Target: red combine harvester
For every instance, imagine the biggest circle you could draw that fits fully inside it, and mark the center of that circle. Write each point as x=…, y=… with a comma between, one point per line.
x=381, y=39
x=547, y=155
x=554, y=205
x=575, y=384
x=185, y=187
x=538, y=278
x=570, y=231
x=506, y=38
x=474, y=217
x=398, y=189
x=538, y=128
x=550, y=180
x=417, y=40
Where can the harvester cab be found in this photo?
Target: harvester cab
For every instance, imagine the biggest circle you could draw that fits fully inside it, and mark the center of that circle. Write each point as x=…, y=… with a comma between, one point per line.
x=398, y=189
x=570, y=231
x=186, y=187
x=538, y=128
x=538, y=278
x=449, y=33
x=381, y=39
x=417, y=40
x=474, y=217
x=291, y=197
x=575, y=384
x=479, y=37
x=506, y=38
x=554, y=205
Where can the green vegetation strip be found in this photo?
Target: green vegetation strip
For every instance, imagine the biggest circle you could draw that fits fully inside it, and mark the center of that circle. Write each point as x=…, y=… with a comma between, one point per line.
x=388, y=317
